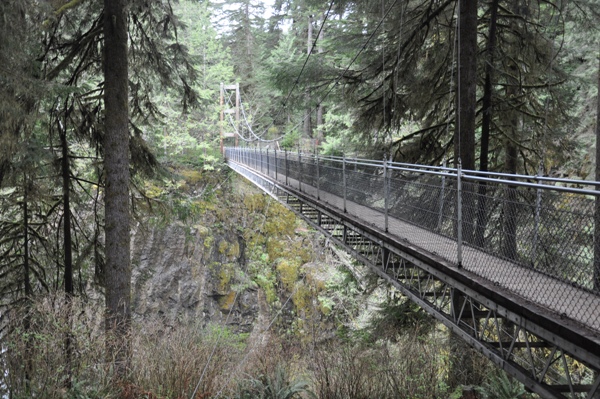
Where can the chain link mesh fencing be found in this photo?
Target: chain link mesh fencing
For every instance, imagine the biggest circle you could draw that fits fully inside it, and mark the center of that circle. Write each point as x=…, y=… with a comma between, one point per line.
x=530, y=238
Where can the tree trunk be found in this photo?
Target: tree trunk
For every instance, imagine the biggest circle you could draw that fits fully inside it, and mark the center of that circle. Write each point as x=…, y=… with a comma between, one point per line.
x=308, y=109
x=27, y=282
x=320, y=106
x=461, y=369
x=482, y=218
x=464, y=140
x=67, y=241
x=67, y=245
x=597, y=204
x=116, y=167
x=26, y=278
x=513, y=90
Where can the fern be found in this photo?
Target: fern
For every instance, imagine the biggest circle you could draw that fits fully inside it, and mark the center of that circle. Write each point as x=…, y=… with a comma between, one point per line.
x=501, y=386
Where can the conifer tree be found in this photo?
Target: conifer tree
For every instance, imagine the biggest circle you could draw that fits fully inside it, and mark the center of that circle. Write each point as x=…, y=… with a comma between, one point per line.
x=116, y=165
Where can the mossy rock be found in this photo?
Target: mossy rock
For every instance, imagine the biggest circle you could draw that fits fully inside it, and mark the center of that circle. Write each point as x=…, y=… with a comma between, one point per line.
x=233, y=250
x=226, y=302
x=289, y=271
x=223, y=245
x=225, y=276
x=202, y=231
x=209, y=241
x=191, y=176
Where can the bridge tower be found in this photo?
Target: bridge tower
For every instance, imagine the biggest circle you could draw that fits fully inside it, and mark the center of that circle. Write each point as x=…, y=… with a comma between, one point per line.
x=229, y=107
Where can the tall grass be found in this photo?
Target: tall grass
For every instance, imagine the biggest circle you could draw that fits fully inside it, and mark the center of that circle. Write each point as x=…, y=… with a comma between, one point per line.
x=409, y=368
x=188, y=360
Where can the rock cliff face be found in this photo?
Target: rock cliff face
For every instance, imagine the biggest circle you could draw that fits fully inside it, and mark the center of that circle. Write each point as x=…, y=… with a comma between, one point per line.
x=238, y=255
x=179, y=272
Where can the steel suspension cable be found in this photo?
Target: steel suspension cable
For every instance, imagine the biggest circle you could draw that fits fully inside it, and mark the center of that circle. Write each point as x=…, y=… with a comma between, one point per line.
x=364, y=46
x=297, y=80
x=337, y=80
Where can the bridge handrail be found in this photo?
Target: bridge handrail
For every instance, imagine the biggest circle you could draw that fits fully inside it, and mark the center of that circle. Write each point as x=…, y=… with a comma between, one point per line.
x=531, y=181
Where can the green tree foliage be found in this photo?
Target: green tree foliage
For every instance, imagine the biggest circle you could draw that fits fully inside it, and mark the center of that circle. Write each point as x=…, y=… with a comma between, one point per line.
x=53, y=183
x=193, y=135
x=407, y=74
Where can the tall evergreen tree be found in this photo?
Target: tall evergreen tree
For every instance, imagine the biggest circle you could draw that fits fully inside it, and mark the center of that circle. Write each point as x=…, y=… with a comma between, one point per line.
x=116, y=166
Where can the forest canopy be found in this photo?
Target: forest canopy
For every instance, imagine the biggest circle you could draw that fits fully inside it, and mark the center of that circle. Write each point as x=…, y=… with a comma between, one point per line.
x=504, y=85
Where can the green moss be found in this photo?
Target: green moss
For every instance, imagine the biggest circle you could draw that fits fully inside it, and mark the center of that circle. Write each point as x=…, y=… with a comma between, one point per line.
x=302, y=298
x=267, y=283
x=234, y=250
x=280, y=221
x=223, y=245
x=209, y=241
x=289, y=270
x=254, y=202
x=227, y=301
x=153, y=191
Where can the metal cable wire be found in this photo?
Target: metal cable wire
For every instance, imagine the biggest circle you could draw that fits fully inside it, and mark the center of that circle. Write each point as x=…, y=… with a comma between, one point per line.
x=337, y=80
x=539, y=247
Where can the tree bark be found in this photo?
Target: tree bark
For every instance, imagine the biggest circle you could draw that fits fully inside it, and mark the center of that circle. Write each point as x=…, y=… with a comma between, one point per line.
x=597, y=204
x=485, y=126
x=308, y=109
x=67, y=241
x=116, y=167
x=464, y=140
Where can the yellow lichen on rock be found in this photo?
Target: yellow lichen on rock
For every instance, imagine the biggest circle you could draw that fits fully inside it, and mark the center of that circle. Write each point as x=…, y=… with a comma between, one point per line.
x=223, y=245
x=191, y=176
x=233, y=250
x=289, y=270
x=227, y=301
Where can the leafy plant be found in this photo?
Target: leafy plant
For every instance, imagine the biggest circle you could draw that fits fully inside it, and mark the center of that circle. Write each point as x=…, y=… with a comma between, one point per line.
x=278, y=385
x=501, y=386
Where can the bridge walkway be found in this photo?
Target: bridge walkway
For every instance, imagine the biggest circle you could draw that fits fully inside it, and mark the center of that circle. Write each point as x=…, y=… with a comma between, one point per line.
x=476, y=300
x=529, y=284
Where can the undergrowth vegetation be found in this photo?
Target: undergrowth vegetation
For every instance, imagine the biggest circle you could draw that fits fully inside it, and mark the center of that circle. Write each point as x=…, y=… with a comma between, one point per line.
x=326, y=335
x=186, y=361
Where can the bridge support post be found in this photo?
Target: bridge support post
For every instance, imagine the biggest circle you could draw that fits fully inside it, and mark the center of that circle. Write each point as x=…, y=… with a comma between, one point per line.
x=385, y=258
x=344, y=179
x=442, y=191
x=286, y=168
x=386, y=192
x=268, y=164
x=536, y=228
x=275, y=159
x=459, y=222
x=318, y=176
x=300, y=172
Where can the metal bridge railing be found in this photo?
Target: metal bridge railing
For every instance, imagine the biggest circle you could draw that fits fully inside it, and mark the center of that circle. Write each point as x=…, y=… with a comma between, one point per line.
x=539, y=224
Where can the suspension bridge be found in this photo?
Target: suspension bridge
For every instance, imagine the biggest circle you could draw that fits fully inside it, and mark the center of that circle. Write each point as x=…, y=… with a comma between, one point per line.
x=506, y=262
